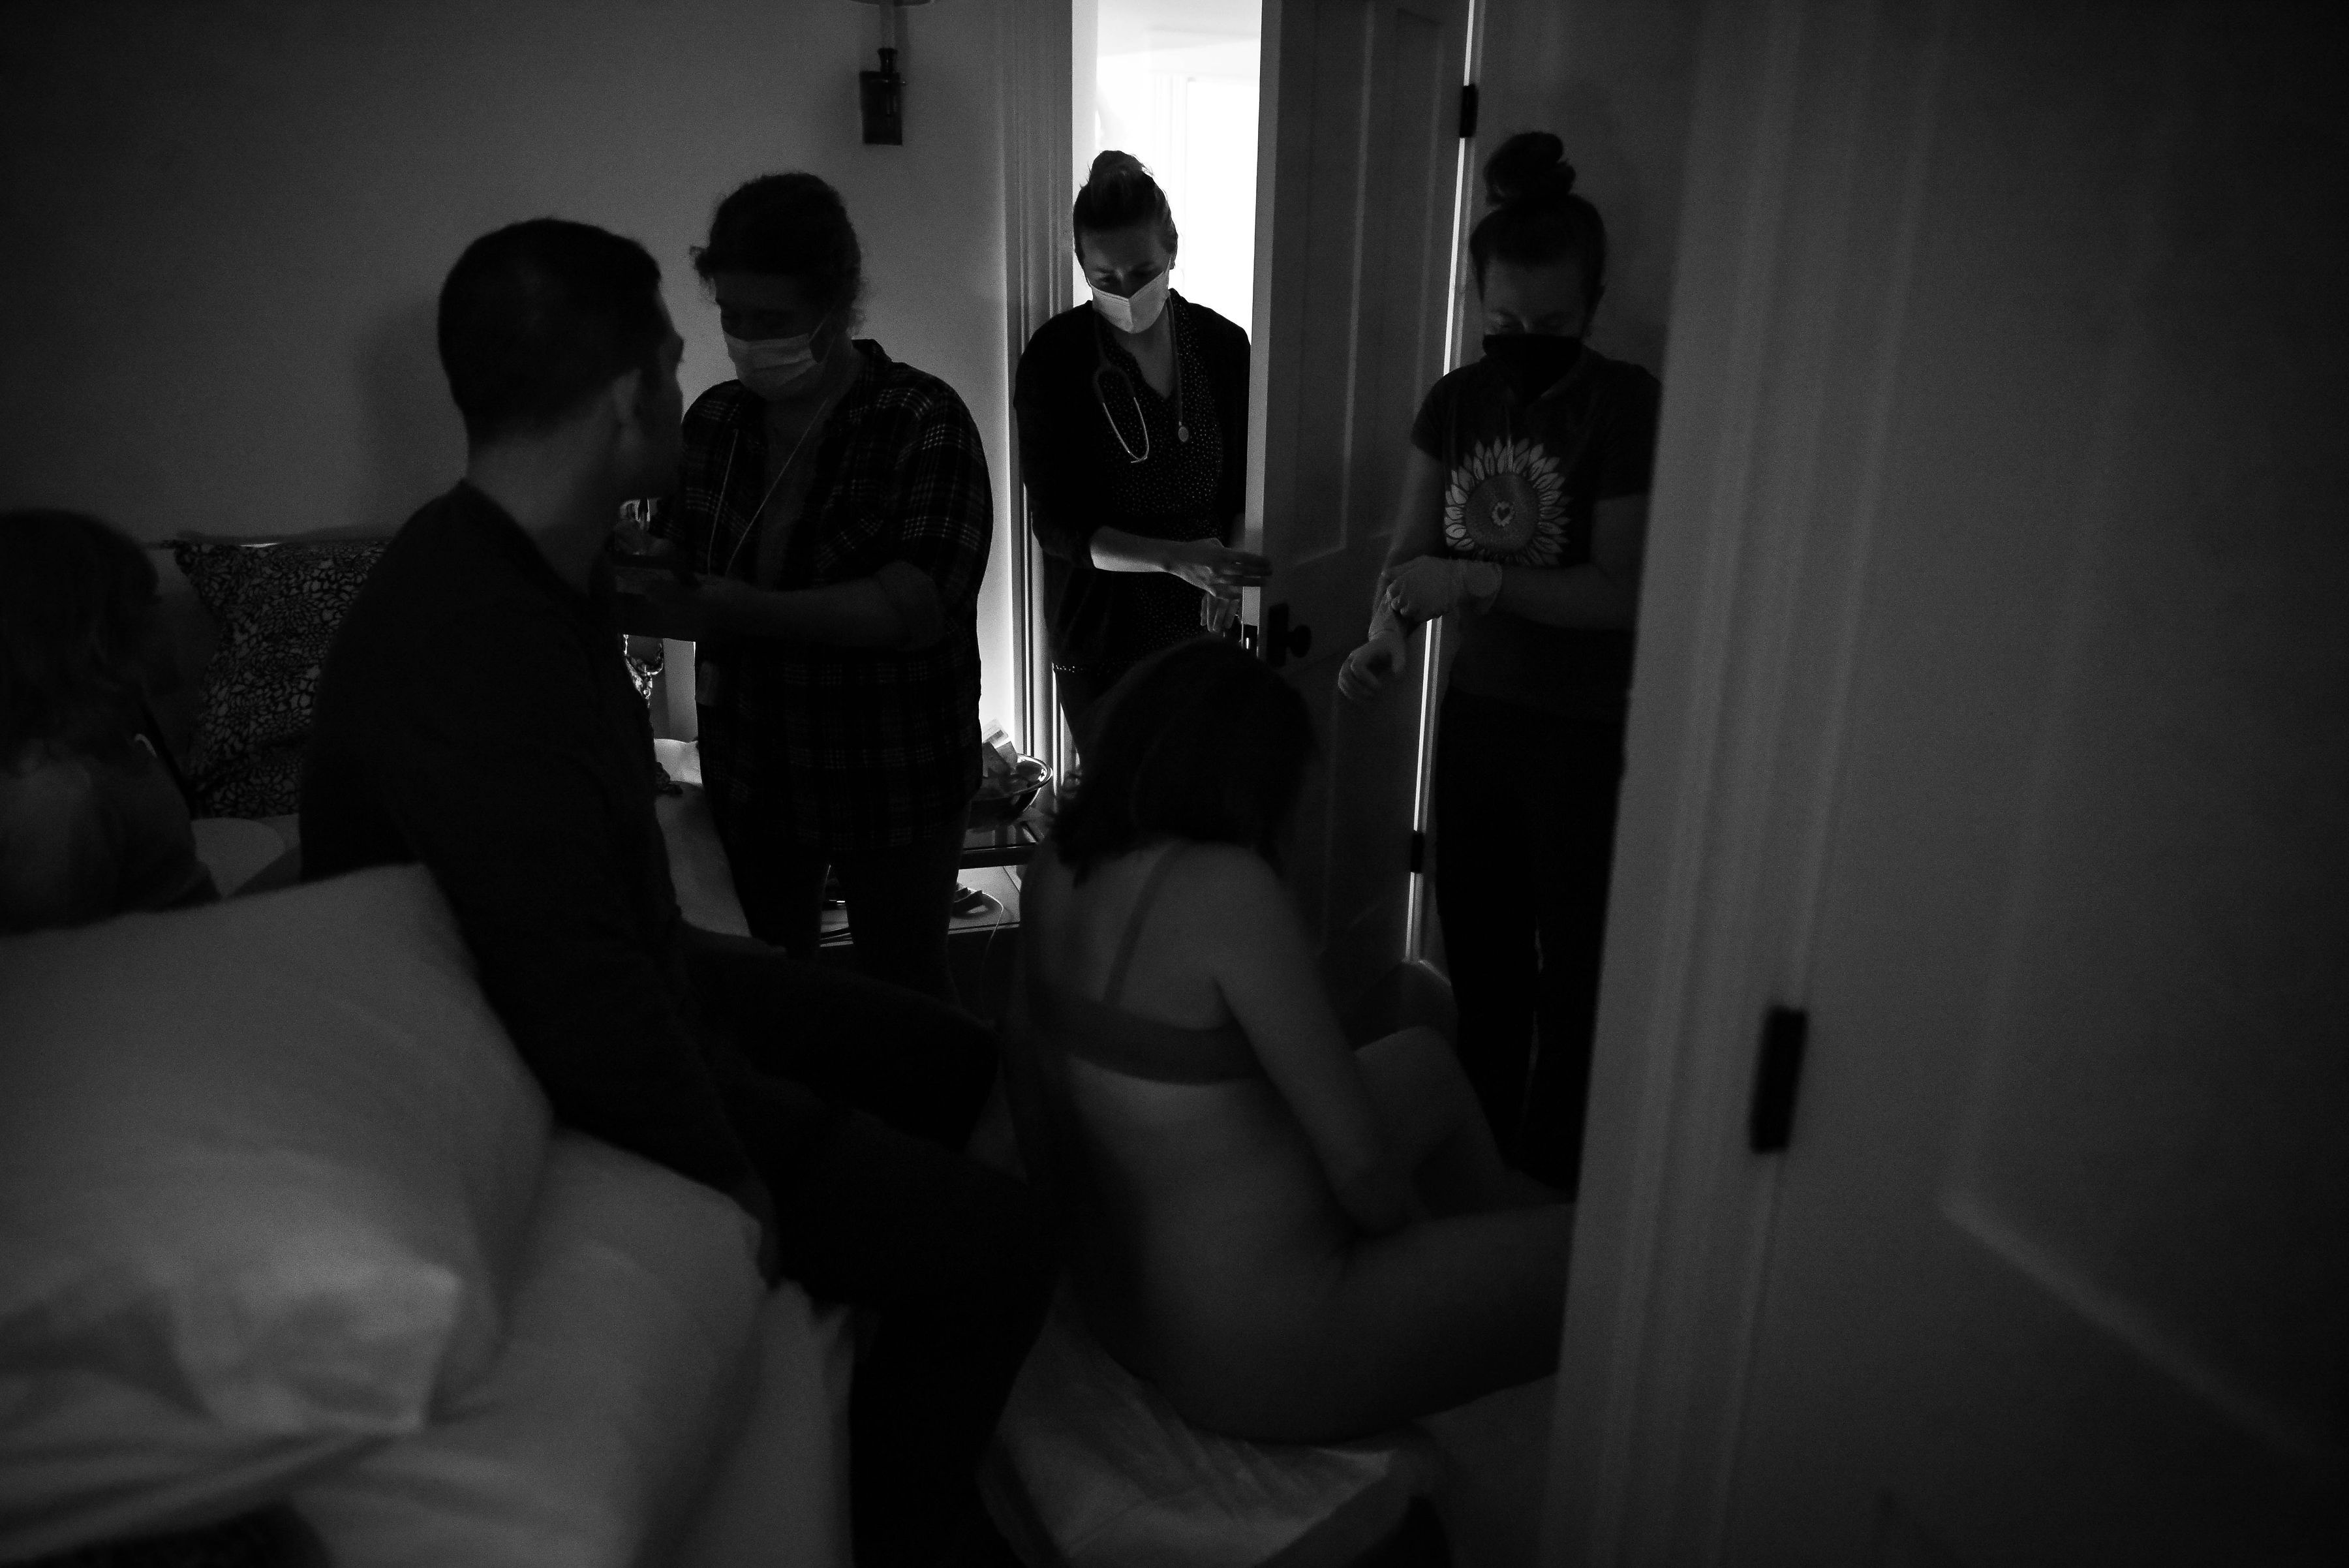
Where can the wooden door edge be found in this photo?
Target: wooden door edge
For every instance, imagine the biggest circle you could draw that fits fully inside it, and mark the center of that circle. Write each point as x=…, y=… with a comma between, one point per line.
x=1732, y=756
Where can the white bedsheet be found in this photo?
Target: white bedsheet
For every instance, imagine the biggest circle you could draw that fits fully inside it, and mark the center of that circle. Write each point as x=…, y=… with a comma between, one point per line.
x=780, y=1497
x=1092, y=1468
x=649, y=1392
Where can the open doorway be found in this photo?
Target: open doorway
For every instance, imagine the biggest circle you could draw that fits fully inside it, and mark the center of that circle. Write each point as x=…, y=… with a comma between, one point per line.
x=1173, y=82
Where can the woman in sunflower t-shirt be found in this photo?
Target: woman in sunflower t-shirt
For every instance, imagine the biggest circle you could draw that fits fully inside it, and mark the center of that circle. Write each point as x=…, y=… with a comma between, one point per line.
x=1523, y=513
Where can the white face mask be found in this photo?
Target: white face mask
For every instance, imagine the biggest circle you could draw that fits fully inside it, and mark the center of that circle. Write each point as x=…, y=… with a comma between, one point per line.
x=775, y=367
x=1136, y=313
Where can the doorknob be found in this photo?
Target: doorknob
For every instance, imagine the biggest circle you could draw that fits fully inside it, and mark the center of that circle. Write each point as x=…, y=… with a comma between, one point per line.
x=1281, y=639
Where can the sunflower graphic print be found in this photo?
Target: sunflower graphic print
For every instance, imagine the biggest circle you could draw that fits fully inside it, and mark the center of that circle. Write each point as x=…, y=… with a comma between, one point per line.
x=1522, y=482
x=1506, y=502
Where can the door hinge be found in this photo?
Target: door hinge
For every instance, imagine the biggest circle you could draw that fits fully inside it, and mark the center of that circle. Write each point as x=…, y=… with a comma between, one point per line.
x=1777, y=1076
x=1418, y=851
x=1467, y=111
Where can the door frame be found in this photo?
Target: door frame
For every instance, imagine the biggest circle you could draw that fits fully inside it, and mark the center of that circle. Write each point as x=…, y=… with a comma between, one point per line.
x=1733, y=756
x=1460, y=304
x=1036, y=67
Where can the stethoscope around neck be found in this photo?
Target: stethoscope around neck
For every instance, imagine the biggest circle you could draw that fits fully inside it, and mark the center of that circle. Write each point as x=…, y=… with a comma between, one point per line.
x=1103, y=367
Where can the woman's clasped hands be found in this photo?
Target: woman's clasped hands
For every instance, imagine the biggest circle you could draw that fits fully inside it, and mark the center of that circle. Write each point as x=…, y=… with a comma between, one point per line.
x=1213, y=567
x=1409, y=593
x=1429, y=586
x=1218, y=571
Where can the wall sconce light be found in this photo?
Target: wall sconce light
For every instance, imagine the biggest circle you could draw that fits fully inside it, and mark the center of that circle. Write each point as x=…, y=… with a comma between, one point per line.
x=881, y=94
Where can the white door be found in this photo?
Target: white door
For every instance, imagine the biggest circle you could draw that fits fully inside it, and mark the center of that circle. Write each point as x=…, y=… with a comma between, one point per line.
x=1356, y=191
x=1994, y=713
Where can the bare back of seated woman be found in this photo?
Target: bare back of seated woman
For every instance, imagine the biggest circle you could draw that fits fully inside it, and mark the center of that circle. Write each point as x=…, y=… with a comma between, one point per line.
x=1296, y=1241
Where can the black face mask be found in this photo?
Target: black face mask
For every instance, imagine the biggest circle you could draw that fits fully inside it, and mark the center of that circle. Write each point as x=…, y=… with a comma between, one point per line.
x=1531, y=361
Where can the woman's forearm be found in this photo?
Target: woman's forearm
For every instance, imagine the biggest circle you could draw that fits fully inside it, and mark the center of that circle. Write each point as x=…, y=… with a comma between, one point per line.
x=1115, y=550
x=1601, y=594
x=1418, y=527
x=1587, y=597
x=856, y=614
x=898, y=607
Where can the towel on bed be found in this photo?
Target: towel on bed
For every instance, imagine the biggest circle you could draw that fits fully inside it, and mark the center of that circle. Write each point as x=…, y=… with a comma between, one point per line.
x=1091, y=1466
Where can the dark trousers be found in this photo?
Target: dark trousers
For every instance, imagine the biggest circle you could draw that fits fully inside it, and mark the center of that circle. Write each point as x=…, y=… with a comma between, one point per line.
x=1525, y=825
x=900, y=900
x=855, y=1099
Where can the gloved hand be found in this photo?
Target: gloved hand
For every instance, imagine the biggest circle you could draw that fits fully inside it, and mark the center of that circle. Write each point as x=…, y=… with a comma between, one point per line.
x=1215, y=567
x=1430, y=586
x=1384, y=654
x=1368, y=668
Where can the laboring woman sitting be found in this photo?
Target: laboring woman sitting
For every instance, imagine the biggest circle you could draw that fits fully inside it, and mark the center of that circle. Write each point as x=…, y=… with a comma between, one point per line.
x=1522, y=519
x=1296, y=1241
x=1133, y=415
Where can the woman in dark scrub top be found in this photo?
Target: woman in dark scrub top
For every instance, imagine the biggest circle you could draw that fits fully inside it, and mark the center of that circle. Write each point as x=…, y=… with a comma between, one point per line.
x=1132, y=414
x=1523, y=516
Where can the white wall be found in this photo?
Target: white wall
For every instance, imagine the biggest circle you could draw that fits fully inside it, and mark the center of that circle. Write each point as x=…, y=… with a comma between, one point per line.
x=226, y=224
x=1614, y=79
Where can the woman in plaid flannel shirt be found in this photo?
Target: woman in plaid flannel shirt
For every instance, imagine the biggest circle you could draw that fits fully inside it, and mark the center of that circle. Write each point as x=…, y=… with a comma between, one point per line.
x=830, y=536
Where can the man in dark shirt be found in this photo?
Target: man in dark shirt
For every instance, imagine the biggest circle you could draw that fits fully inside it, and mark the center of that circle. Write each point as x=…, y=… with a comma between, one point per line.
x=475, y=714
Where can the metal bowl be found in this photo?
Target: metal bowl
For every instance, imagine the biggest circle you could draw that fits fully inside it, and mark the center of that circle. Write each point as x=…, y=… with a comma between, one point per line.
x=1002, y=800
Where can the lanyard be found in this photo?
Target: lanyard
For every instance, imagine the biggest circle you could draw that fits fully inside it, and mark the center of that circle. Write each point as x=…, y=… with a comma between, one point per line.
x=750, y=525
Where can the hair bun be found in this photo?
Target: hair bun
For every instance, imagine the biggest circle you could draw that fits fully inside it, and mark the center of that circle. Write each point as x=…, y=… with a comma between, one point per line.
x=1115, y=164
x=1118, y=193
x=1530, y=164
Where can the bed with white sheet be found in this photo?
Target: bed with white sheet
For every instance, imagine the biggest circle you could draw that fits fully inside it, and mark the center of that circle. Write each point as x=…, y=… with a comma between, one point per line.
x=285, y=1217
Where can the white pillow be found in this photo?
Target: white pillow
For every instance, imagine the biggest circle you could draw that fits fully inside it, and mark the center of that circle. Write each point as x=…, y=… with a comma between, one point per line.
x=627, y=1366
x=263, y=1166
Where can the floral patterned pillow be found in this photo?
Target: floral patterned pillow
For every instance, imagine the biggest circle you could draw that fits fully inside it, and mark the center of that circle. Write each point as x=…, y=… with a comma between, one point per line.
x=277, y=607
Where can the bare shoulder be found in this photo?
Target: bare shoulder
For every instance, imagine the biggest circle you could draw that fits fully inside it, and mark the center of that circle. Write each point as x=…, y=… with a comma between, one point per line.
x=1228, y=899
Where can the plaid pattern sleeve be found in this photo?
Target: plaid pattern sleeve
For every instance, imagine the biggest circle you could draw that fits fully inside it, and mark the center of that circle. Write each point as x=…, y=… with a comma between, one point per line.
x=721, y=425
x=944, y=504
x=847, y=748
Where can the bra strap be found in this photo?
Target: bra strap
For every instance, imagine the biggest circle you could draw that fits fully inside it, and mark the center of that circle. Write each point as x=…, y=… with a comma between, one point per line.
x=1149, y=896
